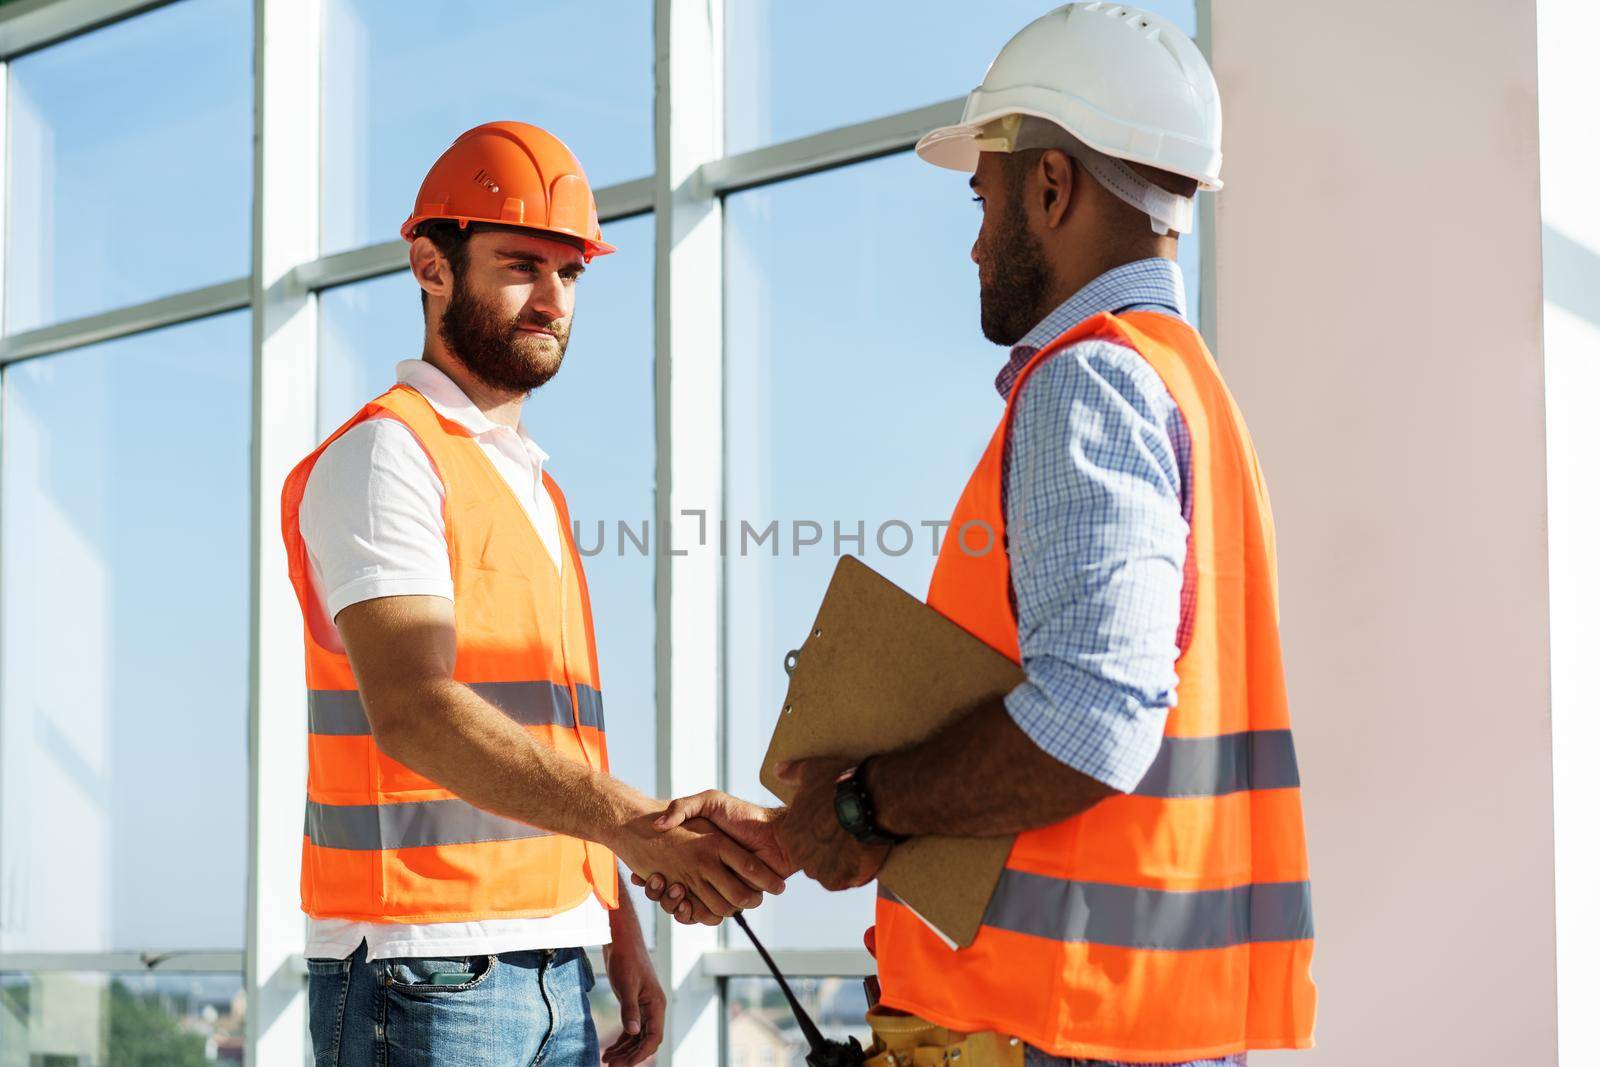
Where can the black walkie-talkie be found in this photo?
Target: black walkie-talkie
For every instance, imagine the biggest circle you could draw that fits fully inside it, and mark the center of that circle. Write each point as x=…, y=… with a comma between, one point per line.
x=824, y=1053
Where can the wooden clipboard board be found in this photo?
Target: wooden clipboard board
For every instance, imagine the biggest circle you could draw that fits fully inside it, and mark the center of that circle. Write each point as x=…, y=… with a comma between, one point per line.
x=880, y=670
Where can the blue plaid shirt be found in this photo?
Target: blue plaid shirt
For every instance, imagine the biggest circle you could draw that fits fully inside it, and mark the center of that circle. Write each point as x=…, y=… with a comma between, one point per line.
x=1096, y=484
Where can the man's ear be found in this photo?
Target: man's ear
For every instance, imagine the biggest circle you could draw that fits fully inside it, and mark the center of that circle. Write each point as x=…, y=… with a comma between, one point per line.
x=1055, y=174
x=430, y=268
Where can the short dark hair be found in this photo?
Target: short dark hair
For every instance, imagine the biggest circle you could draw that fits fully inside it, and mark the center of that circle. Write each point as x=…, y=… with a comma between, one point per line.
x=451, y=238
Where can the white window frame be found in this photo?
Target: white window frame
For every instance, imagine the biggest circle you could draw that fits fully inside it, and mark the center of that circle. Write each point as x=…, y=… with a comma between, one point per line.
x=685, y=194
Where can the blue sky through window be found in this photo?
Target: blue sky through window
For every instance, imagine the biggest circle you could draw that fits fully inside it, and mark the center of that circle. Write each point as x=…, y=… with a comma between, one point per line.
x=796, y=68
x=403, y=78
x=125, y=548
x=129, y=163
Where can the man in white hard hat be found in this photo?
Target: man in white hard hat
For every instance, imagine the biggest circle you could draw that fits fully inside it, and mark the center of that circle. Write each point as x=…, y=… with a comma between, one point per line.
x=1155, y=907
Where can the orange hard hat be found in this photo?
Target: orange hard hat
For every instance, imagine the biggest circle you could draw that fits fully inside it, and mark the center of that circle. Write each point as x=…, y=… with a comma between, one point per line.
x=512, y=174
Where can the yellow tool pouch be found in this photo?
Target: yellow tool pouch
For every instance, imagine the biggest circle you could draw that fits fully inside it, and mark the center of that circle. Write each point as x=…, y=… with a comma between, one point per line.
x=910, y=1041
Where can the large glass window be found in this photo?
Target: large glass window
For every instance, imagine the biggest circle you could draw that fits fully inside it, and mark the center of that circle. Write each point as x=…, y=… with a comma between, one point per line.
x=761, y=1028
x=858, y=394
x=795, y=69
x=69, y=1019
x=129, y=175
x=403, y=78
x=124, y=549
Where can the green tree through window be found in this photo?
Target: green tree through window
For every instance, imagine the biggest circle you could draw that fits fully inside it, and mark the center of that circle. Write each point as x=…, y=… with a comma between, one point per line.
x=145, y=1034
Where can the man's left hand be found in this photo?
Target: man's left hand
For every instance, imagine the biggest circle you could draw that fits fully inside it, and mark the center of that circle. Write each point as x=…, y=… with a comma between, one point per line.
x=639, y=995
x=810, y=832
x=751, y=825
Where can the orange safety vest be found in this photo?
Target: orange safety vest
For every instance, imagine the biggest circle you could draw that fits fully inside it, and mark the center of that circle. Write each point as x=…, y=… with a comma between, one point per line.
x=1172, y=923
x=382, y=842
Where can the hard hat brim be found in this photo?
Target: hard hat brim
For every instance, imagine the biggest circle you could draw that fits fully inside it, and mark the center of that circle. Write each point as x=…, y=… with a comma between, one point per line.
x=955, y=147
x=952, y=147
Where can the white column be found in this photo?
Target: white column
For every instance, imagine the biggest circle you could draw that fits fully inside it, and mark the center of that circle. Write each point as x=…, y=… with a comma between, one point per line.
x=288, y=62
x=1569, y=159
x=1378, y=318
x=688, y=471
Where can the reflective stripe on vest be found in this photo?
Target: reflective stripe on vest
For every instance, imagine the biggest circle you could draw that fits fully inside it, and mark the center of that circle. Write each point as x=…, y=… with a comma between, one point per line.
x=338, y=712
x=409, y=824
x=1218, y=766
x=1173, y=923
x=383, y=842
x=1128, y=917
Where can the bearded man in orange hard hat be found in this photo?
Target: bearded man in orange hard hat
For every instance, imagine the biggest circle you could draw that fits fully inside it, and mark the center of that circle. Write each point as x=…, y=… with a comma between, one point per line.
x=462, y=829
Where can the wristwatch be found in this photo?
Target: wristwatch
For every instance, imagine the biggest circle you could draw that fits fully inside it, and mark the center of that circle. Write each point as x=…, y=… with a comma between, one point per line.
x=853, y=805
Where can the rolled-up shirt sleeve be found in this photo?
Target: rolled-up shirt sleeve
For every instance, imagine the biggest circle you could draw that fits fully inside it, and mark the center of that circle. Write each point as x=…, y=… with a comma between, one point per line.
x=1095, y=491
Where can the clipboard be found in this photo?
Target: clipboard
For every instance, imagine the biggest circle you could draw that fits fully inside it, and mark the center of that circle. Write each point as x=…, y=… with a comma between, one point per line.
x=880, y=670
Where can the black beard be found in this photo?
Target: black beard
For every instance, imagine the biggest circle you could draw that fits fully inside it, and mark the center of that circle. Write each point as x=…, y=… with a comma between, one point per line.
x=1011, y=302
x=496, y=352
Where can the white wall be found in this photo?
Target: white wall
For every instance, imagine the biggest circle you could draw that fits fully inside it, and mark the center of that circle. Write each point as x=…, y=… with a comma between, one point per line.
x=1379, y=319
x=1569, y=163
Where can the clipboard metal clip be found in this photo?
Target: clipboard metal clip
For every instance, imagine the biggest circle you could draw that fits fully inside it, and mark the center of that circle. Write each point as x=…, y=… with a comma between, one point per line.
x=791, y=659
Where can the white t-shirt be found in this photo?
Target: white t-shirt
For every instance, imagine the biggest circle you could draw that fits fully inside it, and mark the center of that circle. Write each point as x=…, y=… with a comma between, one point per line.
x=373, y=522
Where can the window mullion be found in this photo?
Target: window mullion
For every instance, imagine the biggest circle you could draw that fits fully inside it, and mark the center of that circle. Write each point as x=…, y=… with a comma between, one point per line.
x=688, y=350
x=288, y=134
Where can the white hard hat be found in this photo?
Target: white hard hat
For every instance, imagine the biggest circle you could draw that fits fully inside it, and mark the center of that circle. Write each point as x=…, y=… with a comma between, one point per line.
x=1124, y=82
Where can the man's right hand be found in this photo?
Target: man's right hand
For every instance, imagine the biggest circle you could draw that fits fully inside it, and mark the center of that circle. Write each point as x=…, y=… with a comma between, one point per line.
x=717, y=874
x=751, y=825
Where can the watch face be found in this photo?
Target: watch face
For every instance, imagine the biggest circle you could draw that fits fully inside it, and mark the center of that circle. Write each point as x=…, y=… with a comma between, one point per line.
x=849, y=809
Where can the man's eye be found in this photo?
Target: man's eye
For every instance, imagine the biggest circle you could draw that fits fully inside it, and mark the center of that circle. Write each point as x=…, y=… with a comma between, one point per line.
x=977, y=200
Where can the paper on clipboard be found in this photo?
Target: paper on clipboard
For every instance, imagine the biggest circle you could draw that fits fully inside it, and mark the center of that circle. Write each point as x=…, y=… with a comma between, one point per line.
x=880, y=670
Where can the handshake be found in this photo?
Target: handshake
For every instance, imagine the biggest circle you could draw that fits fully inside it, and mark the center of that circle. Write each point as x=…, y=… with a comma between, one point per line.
x=711, y=854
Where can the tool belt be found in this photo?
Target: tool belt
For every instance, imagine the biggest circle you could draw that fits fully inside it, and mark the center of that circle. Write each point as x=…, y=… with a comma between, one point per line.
x=909, y=1041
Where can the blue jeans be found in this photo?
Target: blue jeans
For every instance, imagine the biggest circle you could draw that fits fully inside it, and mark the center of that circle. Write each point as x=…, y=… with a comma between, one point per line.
x=519, y=1009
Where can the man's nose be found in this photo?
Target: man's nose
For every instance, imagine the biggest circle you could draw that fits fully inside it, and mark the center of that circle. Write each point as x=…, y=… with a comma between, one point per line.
x=551, y=298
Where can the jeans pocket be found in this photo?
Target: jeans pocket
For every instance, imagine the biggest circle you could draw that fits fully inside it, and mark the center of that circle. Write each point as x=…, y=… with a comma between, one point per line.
x=326, y=993
x=437, y=975
x=586, y=969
